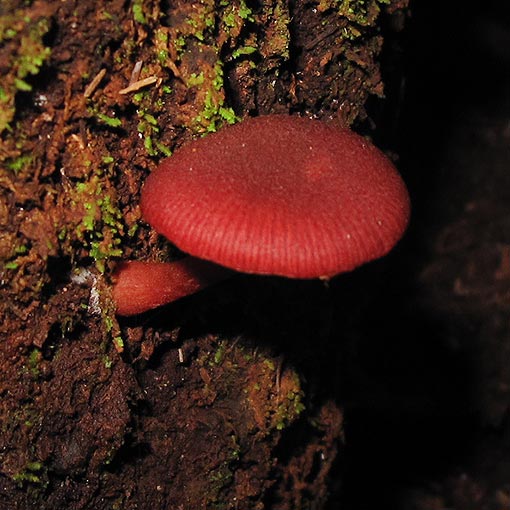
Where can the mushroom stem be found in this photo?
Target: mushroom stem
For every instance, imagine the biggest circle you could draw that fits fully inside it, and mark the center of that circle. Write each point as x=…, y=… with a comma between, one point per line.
x=140, y=286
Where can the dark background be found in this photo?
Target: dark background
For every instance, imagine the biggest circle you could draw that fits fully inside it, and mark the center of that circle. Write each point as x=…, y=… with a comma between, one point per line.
x=416, y=425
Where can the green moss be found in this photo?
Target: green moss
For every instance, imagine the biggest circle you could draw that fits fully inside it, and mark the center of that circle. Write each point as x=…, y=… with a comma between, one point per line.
x=194, y=49
x=113, y=122
x=33, y=53
x=234, y=12
x=245, y=12
x=361, y=13
x=107, y=361
x=20, y=250
x=219, y=479
x=276, y=399
x=201, y=20
x=26, y=60
x=195, y=80
x=223, y=476
x=89, y=219
x=149, y=128
x=32, y=473
x=22, y=85
x=101, y=228
x=138, y=14
x=290, y=406
x=33, y=362
x=269, y=363
x=209, y=33
x=219, y=354
x=163, y=149
x=133, y=229
x=111, y=332
x=214, y=111
x=119, y=343
x=244, y=50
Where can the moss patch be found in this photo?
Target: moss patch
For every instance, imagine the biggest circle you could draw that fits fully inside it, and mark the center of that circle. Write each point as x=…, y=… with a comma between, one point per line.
x=23, y=49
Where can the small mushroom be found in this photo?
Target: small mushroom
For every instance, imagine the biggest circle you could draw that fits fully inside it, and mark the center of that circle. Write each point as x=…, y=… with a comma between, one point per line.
x=141, y=286
x=274, y=195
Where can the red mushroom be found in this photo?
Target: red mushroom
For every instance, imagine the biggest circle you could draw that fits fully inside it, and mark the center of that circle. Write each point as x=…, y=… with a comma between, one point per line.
x=141, y=286
x=275, y=195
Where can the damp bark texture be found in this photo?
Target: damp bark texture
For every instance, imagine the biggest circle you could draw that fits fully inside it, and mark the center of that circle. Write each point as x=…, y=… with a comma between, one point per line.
x=223, y=400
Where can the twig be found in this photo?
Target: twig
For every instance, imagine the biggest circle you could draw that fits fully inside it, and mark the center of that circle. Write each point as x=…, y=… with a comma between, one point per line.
x=135, y=74
x=92, y=86
x=137, y=85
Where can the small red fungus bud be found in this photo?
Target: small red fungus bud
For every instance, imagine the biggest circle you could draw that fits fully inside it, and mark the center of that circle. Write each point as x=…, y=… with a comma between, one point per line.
x=141, y=286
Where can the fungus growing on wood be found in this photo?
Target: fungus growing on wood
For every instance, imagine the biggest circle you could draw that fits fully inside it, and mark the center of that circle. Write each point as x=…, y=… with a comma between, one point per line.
x=276, y=195
x=141, y=286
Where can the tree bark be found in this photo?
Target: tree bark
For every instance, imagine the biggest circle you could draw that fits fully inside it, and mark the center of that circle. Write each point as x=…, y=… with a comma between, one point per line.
x=228, y=399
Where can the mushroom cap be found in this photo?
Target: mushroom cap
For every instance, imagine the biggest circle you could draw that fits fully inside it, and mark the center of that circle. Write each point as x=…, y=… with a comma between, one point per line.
x=279, y=195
